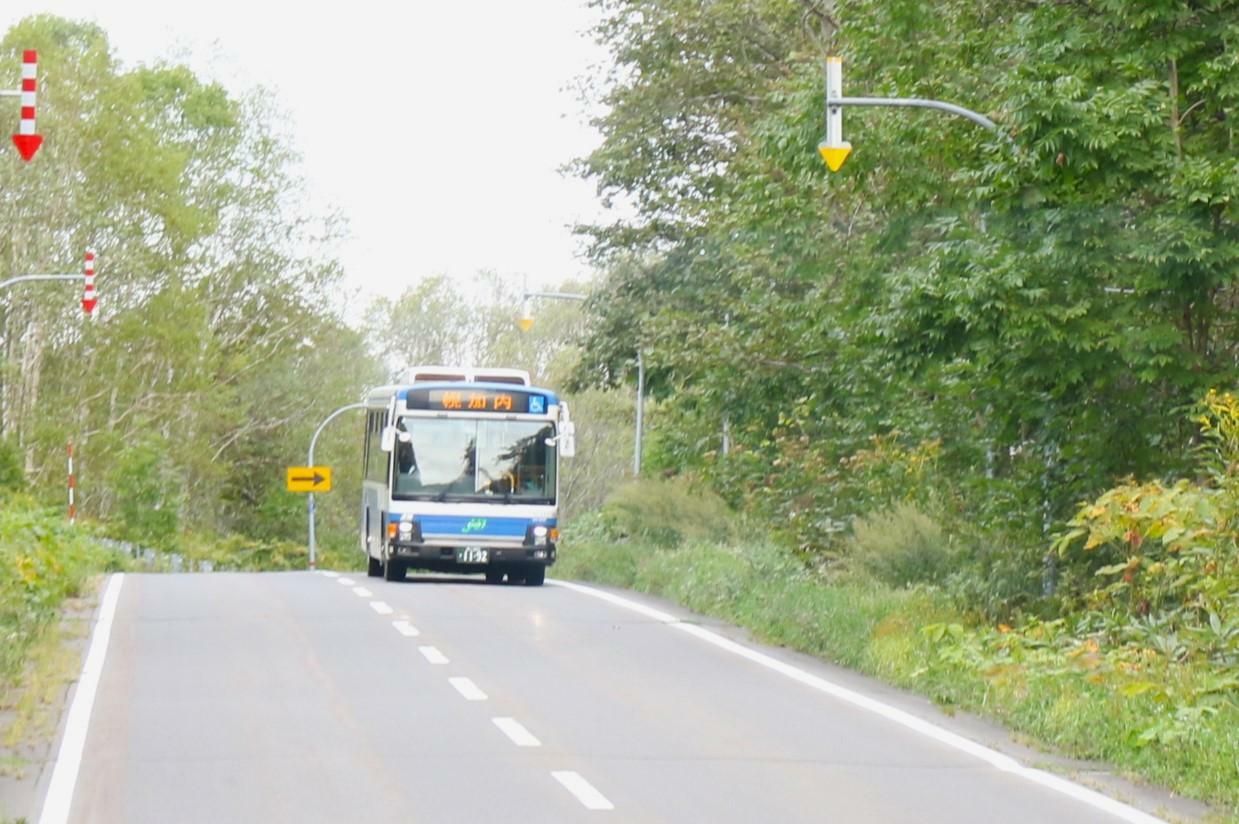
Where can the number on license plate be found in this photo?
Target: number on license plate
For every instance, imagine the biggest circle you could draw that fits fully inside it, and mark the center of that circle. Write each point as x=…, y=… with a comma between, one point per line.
x=472, y=555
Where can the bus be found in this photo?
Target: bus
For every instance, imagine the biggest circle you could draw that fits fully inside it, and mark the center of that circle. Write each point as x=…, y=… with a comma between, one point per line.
x=461, y=474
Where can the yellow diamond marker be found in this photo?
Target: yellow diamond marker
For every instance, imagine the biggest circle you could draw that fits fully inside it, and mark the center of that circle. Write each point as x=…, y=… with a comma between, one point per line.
x=525, y=324
x=835, y=155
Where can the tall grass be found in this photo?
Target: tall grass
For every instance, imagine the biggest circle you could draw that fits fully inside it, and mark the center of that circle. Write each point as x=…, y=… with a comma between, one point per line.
x=43, y=561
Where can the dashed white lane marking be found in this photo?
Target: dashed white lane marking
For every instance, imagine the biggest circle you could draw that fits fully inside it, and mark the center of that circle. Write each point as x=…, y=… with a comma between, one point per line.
x=1002, y=762
x=345, y=582
x=331, y=574
x=433, y=655
x=467, y=688
x=583, y=790
x=362, y=592
x=381, y=608
x=64, y=775
x=406, y=629
x=513, y=729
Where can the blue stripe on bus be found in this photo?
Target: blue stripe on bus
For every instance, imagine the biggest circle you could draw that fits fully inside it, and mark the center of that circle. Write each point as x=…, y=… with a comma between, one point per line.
x=490, y=527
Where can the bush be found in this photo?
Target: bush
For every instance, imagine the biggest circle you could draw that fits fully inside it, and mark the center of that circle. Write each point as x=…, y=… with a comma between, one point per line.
x=901, y=546
x=11, y=476
x=667, y=512
x=244, y=554
x=42, y=561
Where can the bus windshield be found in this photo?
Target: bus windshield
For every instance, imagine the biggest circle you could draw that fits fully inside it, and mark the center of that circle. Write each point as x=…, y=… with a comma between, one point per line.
x=453, y=459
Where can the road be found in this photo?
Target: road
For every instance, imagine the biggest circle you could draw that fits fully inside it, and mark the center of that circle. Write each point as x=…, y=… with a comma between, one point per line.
x=314, y=697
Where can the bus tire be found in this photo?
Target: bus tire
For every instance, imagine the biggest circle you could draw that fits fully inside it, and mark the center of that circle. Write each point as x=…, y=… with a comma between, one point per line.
x=375, y=567
x=535, y=574
x=393, y=570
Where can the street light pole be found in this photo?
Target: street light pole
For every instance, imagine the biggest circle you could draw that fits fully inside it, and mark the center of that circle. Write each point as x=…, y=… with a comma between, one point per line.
x=309, y=501
x=920, y=103
x=555, y=295
x=26, y=278
x=526, y=322
x=835, y=150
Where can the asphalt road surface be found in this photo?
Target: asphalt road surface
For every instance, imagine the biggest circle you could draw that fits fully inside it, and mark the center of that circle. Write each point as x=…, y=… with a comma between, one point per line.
x=308, y=697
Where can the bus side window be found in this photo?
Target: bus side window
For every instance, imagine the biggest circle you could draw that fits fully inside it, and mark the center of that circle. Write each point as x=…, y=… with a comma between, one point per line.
x=376, y=460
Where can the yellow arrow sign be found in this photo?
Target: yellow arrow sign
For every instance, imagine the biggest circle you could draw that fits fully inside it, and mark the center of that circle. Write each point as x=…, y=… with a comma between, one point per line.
x=835, y=155
x=309, y=479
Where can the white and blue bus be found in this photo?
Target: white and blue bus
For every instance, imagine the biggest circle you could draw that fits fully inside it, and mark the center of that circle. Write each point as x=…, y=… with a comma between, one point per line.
x=461, y=474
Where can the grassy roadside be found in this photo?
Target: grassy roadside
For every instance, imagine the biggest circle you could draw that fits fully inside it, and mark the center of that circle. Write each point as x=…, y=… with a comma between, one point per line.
x=45, y=567
x=32, y=703
x=1171, y=724
x=43, y=562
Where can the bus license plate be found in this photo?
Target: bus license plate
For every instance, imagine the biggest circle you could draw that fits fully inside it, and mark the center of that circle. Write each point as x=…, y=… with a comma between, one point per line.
x=472, y=555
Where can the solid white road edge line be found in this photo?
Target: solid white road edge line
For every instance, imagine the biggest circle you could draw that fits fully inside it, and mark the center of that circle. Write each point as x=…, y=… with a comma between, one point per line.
x=362, y=592
x=992, y=757
x=381, y=608
x=583, y=790
x=406, y=629
x=69, y=759
x=467, y=688
x=433, y=655
x=513, y=729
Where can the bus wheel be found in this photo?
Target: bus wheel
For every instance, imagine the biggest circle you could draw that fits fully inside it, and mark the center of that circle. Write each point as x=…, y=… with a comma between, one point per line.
x=393, y=570
x=535, y=575
x=375, y=568
x=494, y=576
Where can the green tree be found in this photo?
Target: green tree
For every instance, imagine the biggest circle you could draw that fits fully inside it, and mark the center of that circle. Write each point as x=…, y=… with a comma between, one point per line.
x=217, y=346
x=1040, y=307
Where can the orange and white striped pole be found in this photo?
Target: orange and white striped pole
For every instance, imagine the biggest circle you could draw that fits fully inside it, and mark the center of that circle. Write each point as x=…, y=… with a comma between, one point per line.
x=89, y=299
x=27, y=140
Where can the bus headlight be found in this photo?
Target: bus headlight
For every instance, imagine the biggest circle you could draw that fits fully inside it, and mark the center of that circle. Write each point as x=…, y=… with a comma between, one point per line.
x=408, y=531
x=539, y=532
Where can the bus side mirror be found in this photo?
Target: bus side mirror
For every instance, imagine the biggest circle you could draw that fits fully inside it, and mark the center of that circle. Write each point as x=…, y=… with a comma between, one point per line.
x=567, y=439
x=388, y=441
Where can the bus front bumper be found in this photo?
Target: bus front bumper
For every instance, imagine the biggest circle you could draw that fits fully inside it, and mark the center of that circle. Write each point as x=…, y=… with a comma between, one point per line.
x=438, y=555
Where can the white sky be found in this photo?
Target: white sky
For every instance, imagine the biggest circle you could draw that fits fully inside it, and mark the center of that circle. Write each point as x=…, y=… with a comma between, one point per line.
x=436, y=128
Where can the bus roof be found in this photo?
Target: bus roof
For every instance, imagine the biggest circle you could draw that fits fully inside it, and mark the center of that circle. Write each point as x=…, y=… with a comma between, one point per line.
x=466, y=374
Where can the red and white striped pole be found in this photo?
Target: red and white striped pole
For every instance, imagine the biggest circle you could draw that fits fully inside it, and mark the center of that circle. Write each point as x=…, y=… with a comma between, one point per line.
x=26, y=139
x=72, y=487
x=89, y=299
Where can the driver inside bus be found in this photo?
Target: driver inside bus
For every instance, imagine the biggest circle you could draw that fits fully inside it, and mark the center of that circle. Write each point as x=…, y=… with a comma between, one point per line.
x=406, y=458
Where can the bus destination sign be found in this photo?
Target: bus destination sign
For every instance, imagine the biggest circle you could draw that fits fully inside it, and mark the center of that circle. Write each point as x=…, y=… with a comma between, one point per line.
x=469, y=399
